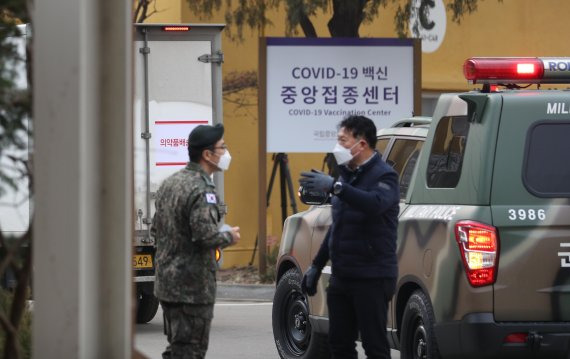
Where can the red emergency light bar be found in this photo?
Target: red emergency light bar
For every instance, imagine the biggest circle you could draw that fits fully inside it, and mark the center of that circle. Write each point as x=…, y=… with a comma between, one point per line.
x=515, y=70
x=176, y=28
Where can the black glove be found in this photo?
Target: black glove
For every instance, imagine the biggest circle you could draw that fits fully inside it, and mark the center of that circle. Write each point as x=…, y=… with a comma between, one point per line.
x=310, y=280
x=316, y=181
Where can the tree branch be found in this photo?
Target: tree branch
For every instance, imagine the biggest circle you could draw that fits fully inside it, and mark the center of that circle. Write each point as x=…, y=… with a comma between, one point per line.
x=236, y=81
x=10, y=251
x=140, y=8
x=240, y=102
x=307, y=26
x=347, y=17
x=18, y=303
x=141, y=12
x=8, y=327
x=11, y=333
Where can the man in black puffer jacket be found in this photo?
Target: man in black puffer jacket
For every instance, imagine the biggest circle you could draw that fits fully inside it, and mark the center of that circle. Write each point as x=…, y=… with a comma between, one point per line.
x=361, y=242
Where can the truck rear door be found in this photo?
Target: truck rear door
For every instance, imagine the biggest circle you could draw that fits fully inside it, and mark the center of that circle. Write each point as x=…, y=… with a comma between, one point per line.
x=531, y=208
x=177, y=87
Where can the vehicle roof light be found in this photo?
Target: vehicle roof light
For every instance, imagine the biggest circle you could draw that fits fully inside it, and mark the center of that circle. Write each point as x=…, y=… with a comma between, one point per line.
x=526, y=68
x=176, y=28
x=515, y=70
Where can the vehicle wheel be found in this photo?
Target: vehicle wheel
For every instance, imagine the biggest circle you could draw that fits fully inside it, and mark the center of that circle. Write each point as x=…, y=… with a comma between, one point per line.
x=294, y=336
x=147, y=306
x=418, y=338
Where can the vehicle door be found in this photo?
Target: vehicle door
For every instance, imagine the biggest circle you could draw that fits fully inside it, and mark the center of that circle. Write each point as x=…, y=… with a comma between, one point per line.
x=402, y=154
x=531, y=208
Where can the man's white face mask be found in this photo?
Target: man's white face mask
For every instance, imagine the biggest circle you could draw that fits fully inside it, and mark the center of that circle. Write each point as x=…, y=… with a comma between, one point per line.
x=342, y=154
x=225, y=160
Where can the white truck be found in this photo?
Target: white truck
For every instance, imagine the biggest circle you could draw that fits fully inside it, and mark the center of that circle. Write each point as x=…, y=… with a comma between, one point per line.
x=178, y=86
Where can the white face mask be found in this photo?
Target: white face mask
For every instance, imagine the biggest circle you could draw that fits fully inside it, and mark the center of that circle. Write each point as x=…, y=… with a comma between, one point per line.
x=342, y=154
x=225, y=160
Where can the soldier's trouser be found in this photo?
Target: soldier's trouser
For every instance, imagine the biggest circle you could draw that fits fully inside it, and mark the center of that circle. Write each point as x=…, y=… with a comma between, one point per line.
x=187, y=328
x=359, y=305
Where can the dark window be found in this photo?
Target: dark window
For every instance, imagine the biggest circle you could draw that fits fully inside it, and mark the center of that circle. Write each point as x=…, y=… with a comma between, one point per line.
x=381, y=145
x=447, y=151
x=546, y=170
x=403, y=157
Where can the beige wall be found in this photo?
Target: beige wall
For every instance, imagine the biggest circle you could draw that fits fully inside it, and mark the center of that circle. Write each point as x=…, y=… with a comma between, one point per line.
x=166, y=11
x=510, y=28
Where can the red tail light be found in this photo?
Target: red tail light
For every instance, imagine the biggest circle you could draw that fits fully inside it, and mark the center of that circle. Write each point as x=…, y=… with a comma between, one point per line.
x=516, y=338
x=479, y=248
x=176, y=28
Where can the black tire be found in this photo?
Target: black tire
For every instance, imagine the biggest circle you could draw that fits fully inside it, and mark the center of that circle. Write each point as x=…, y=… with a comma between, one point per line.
x=147, y=306
x=292, y=331
x=418, y=338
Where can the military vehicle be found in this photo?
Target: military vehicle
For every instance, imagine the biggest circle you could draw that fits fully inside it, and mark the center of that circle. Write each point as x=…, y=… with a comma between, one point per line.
x=484, y=233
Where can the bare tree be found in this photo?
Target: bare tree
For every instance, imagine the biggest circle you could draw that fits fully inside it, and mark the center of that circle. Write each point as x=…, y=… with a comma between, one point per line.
x=15, y=126
x=345, y=20
x=142, y=12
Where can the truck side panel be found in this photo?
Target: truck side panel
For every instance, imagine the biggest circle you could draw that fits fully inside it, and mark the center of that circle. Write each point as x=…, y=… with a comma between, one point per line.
x=533, y=281
x=179, y=98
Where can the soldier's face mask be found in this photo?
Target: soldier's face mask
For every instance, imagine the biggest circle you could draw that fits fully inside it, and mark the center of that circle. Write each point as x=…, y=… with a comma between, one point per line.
x=225, y=159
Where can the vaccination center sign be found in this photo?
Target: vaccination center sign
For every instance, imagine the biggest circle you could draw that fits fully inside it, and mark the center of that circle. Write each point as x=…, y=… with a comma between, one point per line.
x=312, y=84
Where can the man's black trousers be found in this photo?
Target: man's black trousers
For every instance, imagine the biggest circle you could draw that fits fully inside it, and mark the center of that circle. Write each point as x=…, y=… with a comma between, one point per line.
x=359, y=305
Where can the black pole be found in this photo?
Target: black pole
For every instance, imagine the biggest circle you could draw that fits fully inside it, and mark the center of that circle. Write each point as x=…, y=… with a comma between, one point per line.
x=282, y=183
x=289, y=183
x=279, y=160
x=272, y=178
x=254, y=250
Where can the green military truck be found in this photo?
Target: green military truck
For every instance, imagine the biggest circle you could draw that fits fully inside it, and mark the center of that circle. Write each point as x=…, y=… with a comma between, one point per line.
x=484, y=234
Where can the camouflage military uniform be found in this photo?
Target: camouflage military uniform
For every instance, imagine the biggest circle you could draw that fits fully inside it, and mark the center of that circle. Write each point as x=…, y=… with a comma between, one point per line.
x=186, y=230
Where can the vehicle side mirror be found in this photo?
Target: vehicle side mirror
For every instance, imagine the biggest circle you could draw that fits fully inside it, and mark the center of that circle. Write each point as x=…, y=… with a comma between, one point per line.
x=313, y=197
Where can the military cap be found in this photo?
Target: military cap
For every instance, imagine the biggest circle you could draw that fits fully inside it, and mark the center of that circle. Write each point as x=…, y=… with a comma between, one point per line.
x=205, y=135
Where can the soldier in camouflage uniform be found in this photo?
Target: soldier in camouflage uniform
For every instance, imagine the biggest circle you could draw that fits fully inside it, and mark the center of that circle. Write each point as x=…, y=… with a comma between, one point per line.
x=186, y=227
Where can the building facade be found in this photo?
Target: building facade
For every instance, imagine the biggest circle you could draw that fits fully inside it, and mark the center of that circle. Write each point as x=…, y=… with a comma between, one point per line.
x=497, y=28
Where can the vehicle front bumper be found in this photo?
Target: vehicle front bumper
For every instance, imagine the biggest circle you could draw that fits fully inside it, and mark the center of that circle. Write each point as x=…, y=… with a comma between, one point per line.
x=477, y=335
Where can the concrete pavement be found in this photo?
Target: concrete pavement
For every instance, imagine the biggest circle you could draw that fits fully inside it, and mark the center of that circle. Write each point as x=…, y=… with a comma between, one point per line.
x=242, y=321
x=246, y=292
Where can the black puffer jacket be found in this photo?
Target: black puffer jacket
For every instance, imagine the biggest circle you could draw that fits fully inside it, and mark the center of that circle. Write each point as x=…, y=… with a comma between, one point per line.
x=361, y=241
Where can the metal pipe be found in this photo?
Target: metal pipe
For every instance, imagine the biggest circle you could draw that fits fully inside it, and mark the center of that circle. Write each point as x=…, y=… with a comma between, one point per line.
x=146, y=135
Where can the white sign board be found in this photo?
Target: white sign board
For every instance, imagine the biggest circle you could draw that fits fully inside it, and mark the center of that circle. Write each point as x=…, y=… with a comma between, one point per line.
x=312, y=84
x=172, y=123
x=428, y=22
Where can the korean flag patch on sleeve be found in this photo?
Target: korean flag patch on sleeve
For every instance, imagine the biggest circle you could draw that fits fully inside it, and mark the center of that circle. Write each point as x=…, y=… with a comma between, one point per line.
x=211, y=198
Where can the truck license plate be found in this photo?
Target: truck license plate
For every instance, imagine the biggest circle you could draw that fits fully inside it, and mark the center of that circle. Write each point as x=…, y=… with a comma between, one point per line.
x=142, y=261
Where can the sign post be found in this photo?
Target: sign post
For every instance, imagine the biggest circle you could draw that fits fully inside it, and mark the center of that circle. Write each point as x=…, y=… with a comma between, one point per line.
x=308, y=85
